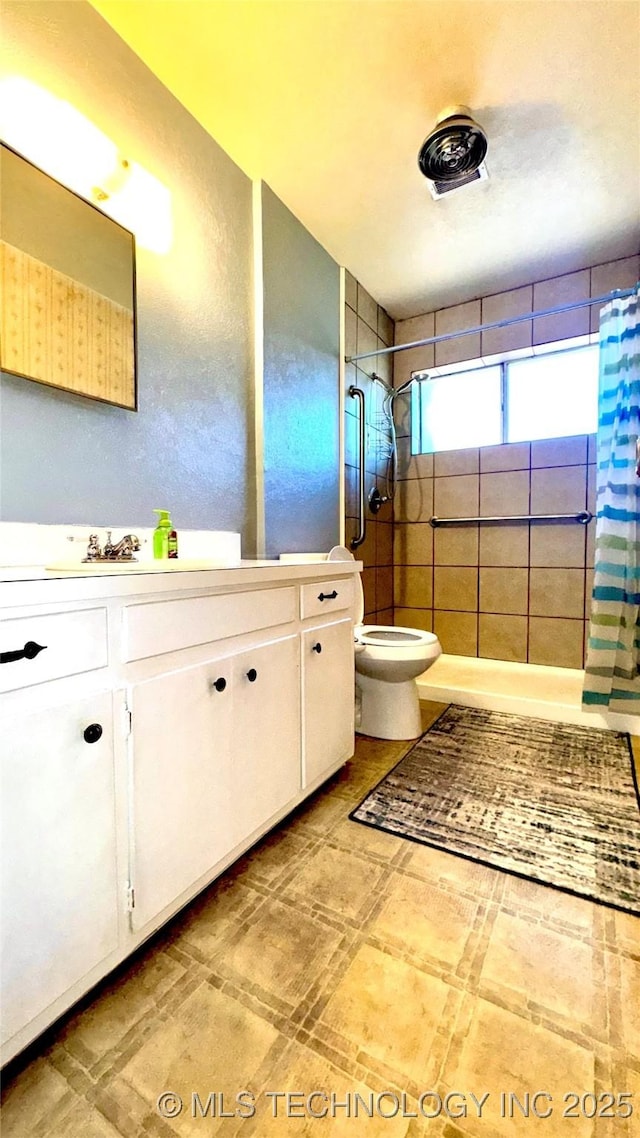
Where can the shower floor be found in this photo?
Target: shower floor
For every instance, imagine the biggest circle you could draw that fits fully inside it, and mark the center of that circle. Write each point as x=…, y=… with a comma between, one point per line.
x=522, y=689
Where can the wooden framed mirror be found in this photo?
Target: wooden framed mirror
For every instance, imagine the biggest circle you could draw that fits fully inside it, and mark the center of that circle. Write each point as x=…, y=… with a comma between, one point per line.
x=68, y=308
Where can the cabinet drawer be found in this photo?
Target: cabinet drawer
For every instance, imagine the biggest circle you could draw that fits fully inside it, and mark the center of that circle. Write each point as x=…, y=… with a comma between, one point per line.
x=73, y=642
x=326, y=596
x=167, y=626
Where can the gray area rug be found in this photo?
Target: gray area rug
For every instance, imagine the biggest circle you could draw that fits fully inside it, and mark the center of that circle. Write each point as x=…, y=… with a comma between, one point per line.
x=547, y=801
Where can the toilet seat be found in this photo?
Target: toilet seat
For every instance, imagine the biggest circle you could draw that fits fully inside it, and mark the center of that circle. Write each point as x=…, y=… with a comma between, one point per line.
x=392, y=636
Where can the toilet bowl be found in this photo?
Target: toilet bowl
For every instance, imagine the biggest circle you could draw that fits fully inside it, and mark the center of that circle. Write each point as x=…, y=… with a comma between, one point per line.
x=388, y=660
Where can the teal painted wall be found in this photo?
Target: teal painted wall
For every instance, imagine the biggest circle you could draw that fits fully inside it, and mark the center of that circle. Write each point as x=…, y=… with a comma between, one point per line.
x=301, y=385
x=190, y=447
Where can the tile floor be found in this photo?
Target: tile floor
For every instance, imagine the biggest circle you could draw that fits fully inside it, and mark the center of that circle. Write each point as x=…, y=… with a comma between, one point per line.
x=337, y=959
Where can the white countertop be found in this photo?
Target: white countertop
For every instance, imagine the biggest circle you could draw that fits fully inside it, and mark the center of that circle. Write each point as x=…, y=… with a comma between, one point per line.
x=24, y=585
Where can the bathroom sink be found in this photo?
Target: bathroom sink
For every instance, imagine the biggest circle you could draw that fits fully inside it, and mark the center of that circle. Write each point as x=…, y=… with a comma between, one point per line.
x=106, y=568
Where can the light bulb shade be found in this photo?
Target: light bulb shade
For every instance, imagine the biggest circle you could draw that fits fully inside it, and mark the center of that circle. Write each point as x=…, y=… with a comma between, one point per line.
x=55, y=136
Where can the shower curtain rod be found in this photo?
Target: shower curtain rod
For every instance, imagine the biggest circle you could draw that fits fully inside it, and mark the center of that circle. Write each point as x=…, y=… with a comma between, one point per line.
x=617, y=294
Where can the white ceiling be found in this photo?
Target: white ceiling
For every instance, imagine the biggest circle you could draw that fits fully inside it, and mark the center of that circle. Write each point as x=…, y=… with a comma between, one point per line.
x=330, y=100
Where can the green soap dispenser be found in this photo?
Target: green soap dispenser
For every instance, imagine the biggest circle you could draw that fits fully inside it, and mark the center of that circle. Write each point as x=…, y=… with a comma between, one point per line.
x=161, y=534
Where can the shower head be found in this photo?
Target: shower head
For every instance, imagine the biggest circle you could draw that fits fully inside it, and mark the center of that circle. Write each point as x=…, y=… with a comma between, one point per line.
x=455, y=149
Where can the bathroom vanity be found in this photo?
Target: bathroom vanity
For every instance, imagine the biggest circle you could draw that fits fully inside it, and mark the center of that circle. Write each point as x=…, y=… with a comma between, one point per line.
x=168, y=722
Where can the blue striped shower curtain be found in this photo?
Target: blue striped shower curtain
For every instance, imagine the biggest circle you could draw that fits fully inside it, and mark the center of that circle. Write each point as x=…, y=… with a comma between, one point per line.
x=612, y=673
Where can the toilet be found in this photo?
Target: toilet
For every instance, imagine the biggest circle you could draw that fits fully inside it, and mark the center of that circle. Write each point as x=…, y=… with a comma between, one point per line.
x=388, y=660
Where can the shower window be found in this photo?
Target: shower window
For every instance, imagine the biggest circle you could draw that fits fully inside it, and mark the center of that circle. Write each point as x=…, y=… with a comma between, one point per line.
x=546, y=396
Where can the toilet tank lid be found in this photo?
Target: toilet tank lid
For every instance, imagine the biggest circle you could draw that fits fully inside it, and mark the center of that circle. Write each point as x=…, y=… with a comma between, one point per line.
x=341, y=553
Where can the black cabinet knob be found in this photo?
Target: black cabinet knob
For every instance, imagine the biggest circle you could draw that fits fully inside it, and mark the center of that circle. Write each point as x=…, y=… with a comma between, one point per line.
x=219, y=684
x=328, y=596
x=317, y=648
x=29, y=652
x=252, y=675
x=92, y=733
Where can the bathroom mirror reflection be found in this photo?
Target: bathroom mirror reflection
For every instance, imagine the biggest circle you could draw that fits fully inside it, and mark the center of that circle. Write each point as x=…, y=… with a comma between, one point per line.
x=67, y=317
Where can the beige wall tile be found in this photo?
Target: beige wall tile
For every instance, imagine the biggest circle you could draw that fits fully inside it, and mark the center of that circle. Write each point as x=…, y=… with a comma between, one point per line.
x=414, y=500
x=501, y=306
x=456, y=319
x=367, y=308
x=559, y=452
x=351, y=290
x=457, y=496
x=592, y=448
x=414, y=359
x=455, y=588
x=457, y=462
x=385, y=327
x=351, y=491
x=457, y=632
x=507, y=456
x=557, y=592
x=456, y=546
x=383, y=365
x=402, y=414
x=590, y=555
x=504, y=494
x=369, y=587
x=605, y=278
x=351, y=333
x=502, y=637
x=367, y=341
x=385, y=513
x=351, y=436
x=363, y=381
x=413, y=586
x=413, y=618
x=384, y=587
x=350, y=377
x=504, y=544
x=384, y=543
x=592, y=485
x=588, y=593
x=384, y=616
x=561, y=290
x=557, y=545
x=556, y=642
x=413, y=465
x=504, y=590
x=367, y=551
x=413, y=544
x=559, y=490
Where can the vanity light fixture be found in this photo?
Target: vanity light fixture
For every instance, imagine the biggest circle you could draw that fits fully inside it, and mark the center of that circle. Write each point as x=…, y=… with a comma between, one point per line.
x=52, y=134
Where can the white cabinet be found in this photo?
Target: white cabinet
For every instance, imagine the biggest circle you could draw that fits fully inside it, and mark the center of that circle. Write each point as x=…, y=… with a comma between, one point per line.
x=265, y=747
x=59, y=878
x=327, y=698
x=239, y=693
x=215, y=754
x=180, y=779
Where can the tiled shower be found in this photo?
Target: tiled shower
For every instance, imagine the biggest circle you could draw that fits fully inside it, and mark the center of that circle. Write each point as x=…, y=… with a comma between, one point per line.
x=368, y=327
x=509, y=591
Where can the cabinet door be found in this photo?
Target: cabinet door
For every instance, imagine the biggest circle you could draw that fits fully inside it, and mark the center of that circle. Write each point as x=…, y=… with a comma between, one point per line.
x=328, y=697
x=266, y=745
x=181, y=764
x=59, y=877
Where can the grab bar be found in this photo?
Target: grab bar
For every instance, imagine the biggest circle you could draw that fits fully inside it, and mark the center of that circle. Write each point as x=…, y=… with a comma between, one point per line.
x=584, y=517
x=358, y=393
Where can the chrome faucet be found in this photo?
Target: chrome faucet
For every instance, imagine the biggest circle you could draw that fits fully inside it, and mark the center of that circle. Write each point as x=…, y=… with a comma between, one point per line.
x=122, y=551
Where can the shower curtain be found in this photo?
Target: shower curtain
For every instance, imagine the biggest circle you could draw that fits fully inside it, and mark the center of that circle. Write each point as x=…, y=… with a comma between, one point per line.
x=612, y=672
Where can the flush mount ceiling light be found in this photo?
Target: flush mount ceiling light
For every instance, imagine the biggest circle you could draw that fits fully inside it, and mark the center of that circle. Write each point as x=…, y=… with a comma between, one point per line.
x=65, y=144
x=452, y=155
